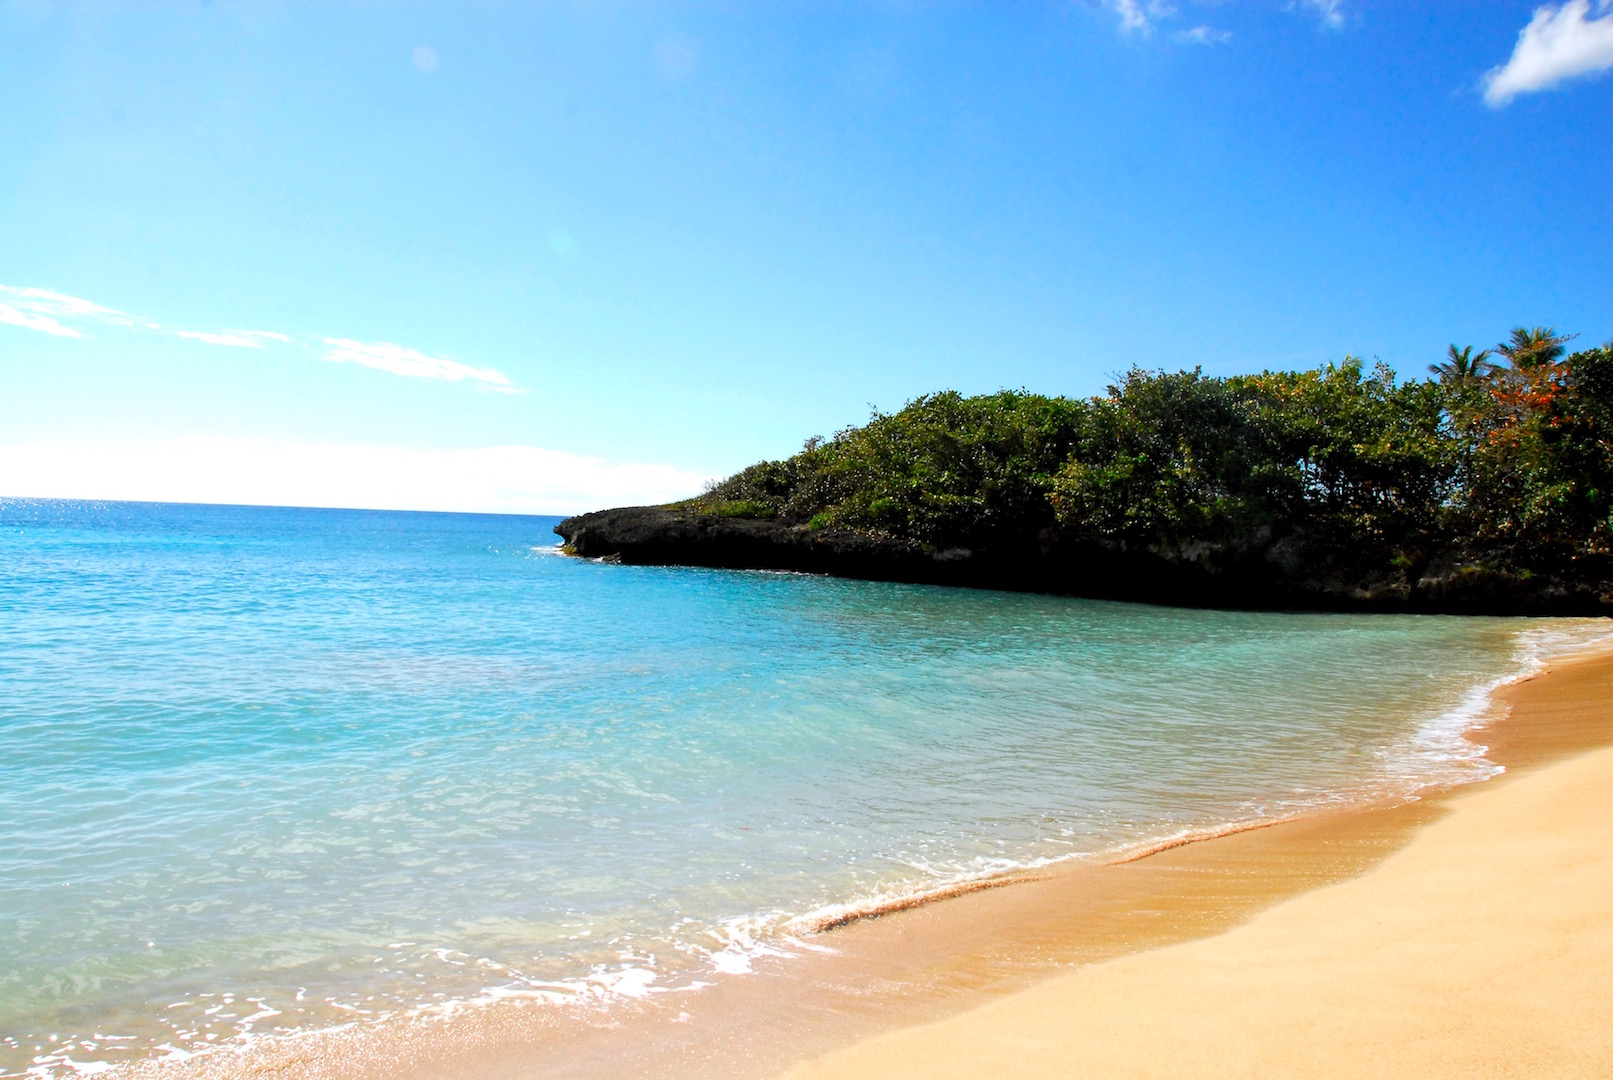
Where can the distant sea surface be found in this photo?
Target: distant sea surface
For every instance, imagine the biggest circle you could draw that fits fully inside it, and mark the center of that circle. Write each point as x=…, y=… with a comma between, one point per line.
x=271, y=770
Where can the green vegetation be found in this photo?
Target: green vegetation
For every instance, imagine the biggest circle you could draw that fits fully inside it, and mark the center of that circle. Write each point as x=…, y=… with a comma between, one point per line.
x=1506, y=458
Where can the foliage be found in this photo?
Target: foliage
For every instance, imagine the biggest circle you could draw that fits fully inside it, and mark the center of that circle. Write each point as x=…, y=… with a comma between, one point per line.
x=1528, y=349
x=1182, y=459
x=1538, y=458
x=1463, y=367
x=945, y=469
x=1510, y=460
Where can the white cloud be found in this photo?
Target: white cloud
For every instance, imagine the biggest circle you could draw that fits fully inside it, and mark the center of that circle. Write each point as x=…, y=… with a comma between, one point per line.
x=1132, y=17
x=1142, y=17
x=1558, y=44
x=1139, y=16
x=491, y=479
x=53, y=313
x=425, y=59
x=239, y=339
x=15, y=315
x=1331, y=11
x=384, y=356
x=49, y=312
x=1203, y=35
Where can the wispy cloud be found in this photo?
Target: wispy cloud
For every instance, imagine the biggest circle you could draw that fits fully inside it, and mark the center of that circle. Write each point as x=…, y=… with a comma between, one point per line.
x=57, y=313
x=1132, y=17
x=50, y=312
x=1139, y=16
x=1560, y=43
x=411, y=363
x=209, y=469
x=1202, y=35
x=1331, y=11
x=1143, y=17
x=239, y=339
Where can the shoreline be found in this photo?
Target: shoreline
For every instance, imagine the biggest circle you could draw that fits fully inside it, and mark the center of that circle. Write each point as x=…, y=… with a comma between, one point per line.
x=872, y=976
x=1478, y=946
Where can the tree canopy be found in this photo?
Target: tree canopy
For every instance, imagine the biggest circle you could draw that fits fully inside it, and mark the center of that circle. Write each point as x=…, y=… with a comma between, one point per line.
x=1508, y=459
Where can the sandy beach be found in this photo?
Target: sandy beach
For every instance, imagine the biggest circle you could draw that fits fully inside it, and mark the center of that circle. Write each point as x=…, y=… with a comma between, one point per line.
x=1484, y=947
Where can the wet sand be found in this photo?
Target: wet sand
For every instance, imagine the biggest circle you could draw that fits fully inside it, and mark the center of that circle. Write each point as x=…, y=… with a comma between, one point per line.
x=948, y=988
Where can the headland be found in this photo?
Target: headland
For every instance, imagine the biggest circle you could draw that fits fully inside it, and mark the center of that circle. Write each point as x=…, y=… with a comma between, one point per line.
x=1479, y=492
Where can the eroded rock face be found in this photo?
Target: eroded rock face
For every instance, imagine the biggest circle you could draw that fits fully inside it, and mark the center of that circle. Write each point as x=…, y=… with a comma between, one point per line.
x=1281, y=572
x=659, y=536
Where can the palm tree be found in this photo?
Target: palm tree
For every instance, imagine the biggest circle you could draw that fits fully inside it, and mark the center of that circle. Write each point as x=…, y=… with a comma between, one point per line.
x=1534, y=348
x=1461, y=367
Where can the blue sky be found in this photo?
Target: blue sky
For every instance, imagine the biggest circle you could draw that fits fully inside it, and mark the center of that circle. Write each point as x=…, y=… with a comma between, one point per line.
x=551, y=256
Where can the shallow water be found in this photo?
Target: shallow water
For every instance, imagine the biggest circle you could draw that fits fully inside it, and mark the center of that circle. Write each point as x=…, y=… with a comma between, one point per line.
x=270, y=770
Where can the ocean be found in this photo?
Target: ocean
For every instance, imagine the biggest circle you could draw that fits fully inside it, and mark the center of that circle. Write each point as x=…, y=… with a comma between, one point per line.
x=268, y=771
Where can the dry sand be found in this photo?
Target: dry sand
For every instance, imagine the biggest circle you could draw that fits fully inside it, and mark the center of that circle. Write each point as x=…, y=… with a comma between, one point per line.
x=1483, y=947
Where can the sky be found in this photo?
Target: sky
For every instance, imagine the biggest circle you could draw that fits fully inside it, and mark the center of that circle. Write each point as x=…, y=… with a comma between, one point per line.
x=551, y=257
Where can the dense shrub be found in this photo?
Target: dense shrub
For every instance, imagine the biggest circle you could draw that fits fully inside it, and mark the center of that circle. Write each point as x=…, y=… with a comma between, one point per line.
x=945, y=469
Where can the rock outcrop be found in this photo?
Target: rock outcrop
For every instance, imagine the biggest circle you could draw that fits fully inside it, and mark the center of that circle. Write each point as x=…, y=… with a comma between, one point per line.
x=1289, y=572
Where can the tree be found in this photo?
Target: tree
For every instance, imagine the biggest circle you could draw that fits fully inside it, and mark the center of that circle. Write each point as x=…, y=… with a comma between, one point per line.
x=1532, y=349
x=1510, y=463
x=1462, y=367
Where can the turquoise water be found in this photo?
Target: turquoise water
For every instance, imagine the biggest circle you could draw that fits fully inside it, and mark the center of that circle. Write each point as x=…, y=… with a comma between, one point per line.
x=268, y=770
